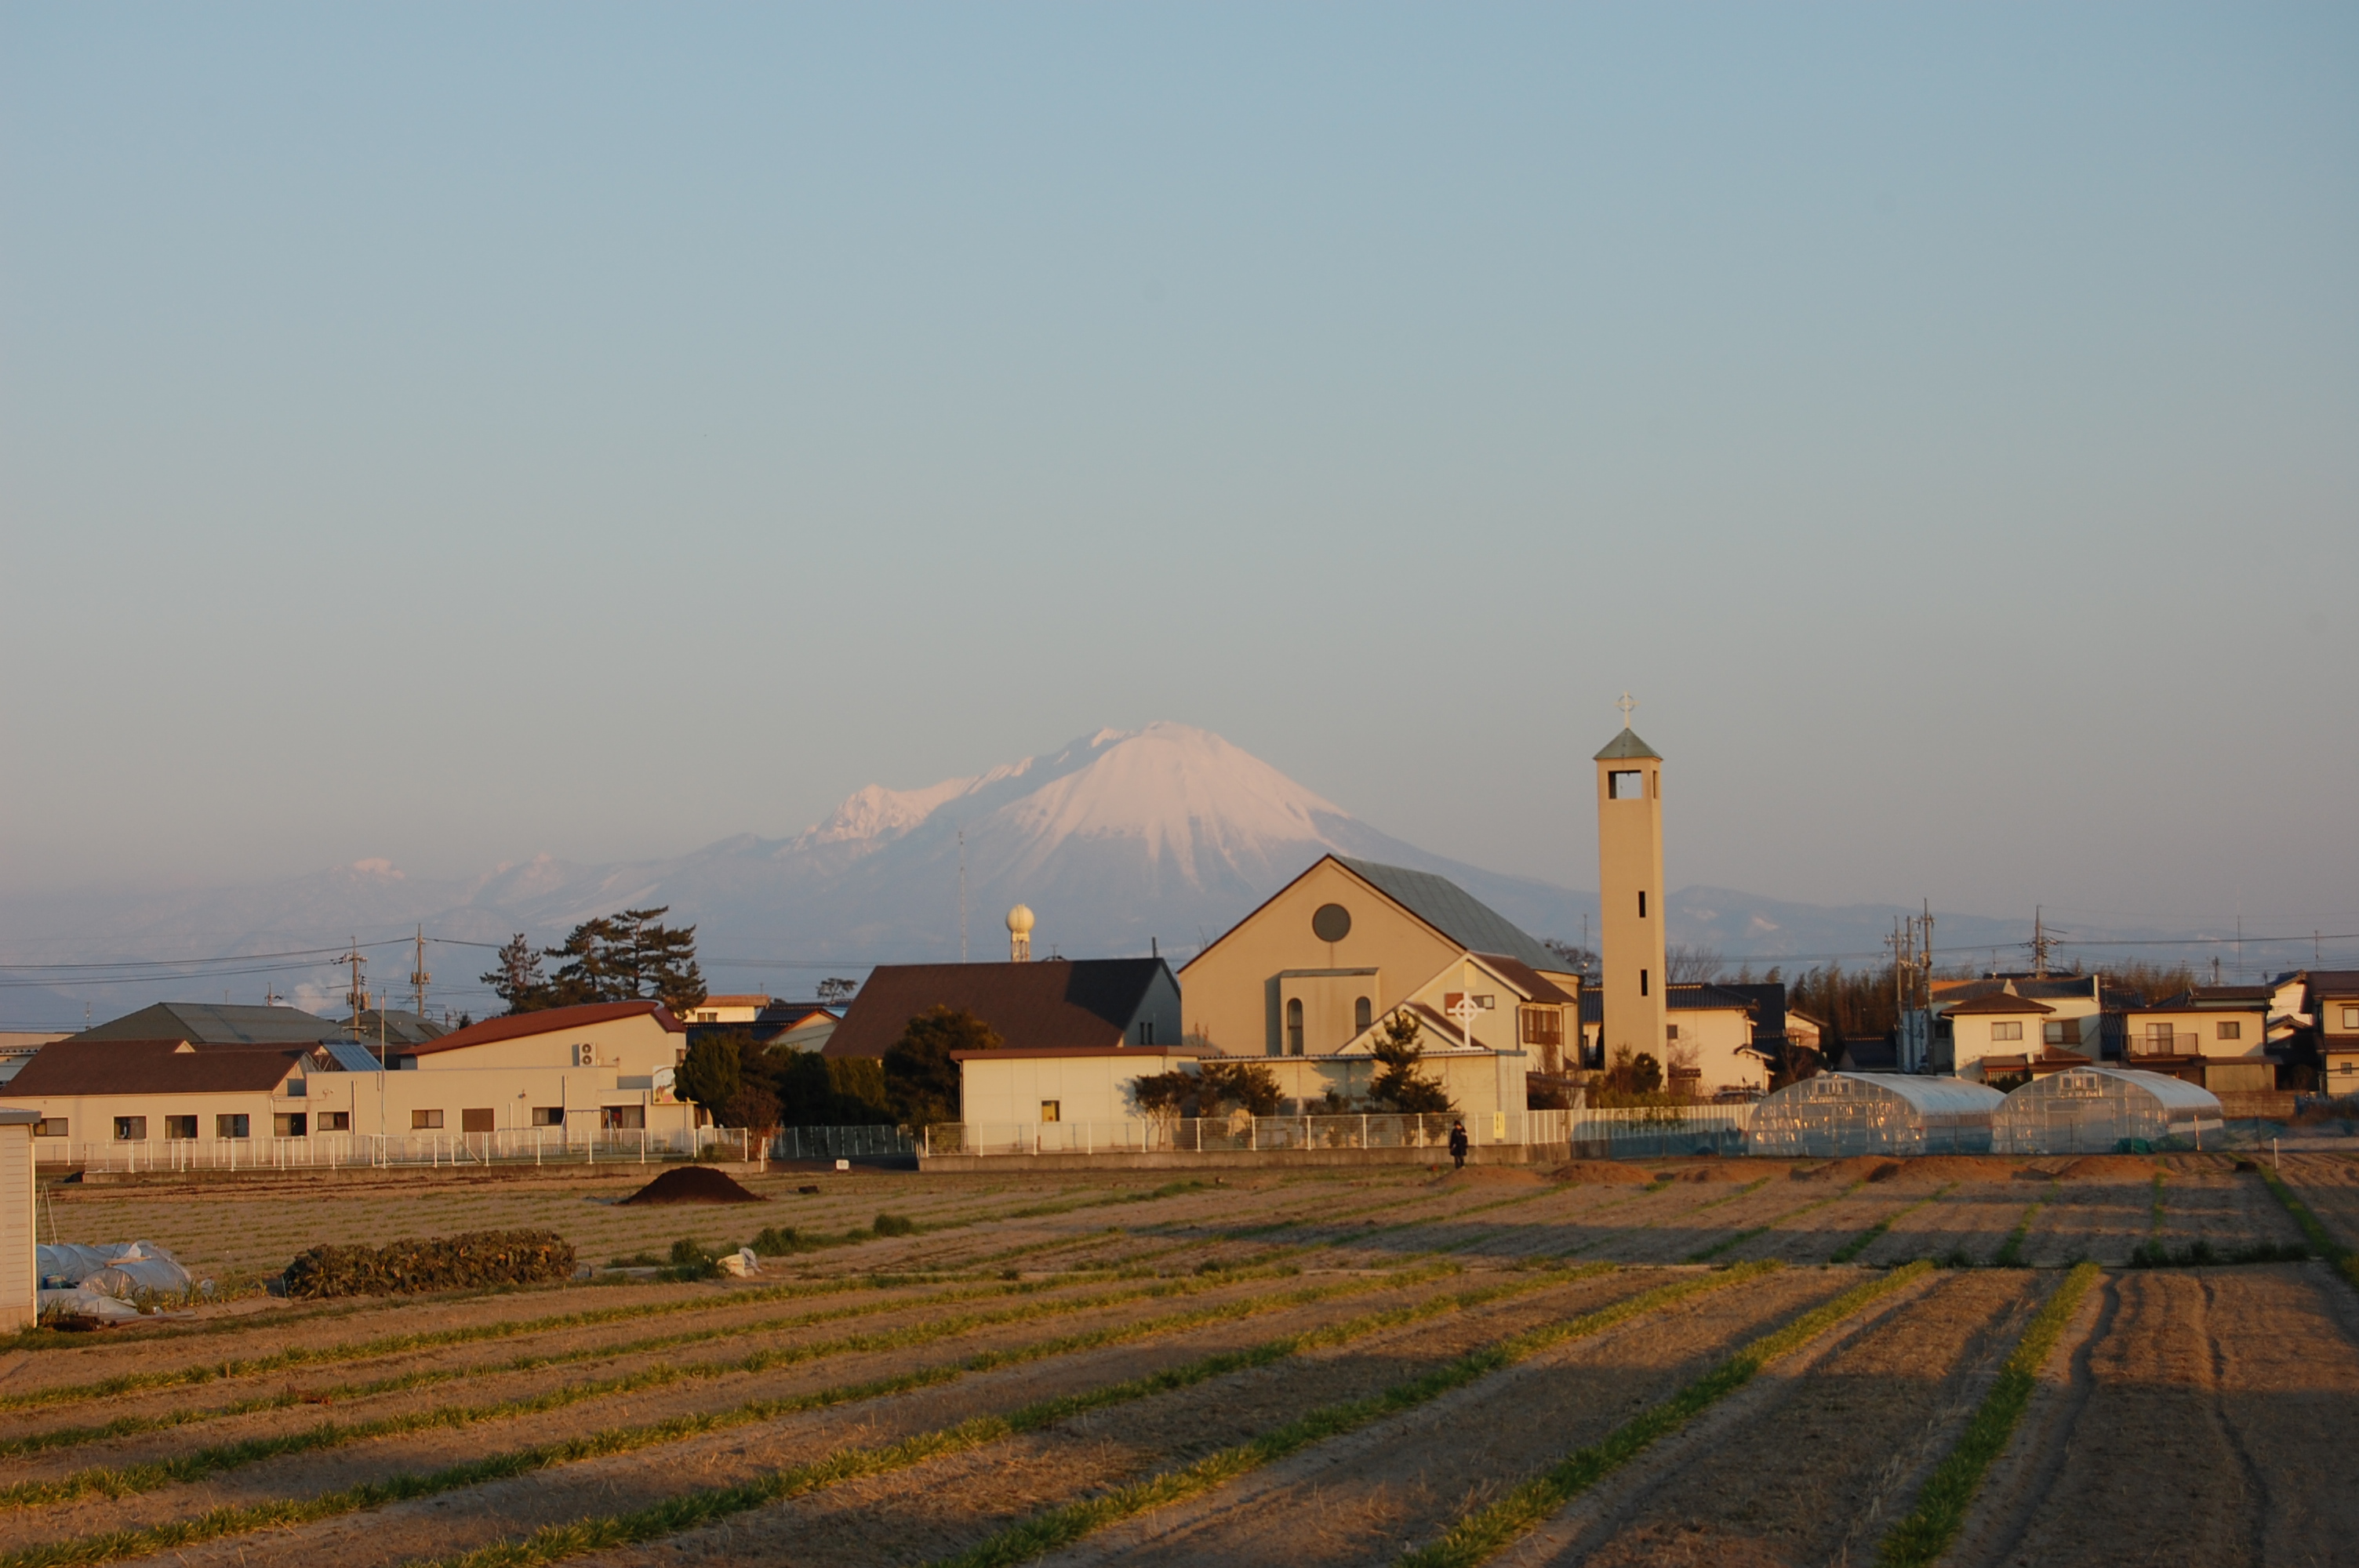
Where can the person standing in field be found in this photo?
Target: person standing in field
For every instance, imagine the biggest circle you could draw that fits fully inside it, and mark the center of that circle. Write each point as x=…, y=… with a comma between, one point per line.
x=1458, y=1144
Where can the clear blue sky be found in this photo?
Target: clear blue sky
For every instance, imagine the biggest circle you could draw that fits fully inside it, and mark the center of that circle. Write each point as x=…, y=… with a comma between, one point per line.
x=453, y=432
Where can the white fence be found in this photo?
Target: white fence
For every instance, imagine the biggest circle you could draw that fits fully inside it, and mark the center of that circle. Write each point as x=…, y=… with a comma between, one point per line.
x=517, y=1146
x=1602, y=1134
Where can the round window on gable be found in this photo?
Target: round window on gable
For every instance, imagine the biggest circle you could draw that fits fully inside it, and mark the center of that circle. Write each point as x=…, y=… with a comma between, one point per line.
x=1331, y=923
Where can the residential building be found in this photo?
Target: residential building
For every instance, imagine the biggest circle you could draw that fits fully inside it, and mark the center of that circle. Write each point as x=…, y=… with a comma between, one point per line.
x=86, y=1090
x=2215, y=1036
x=210, y=1024
x=738, y=1010
x=20, y=1046
x=1097, y=1003
x=1033, y=1084
x=2331, y=1000
x=2025, y=1021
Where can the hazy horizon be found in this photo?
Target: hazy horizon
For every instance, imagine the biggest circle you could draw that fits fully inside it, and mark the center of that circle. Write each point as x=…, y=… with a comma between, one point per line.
x=448, y=436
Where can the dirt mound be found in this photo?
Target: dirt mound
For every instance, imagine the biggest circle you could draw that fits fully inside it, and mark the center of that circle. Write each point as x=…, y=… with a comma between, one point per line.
x=1856, y=1168
x=1601, y=1173
x=2110, y=1167
x=1493, y=1176
x=1954, y=1168
x=694, y=1184
x=1712, y=1171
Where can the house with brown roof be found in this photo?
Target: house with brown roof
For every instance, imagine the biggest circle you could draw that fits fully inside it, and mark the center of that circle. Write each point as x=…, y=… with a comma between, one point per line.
x=139, y=1091
x=2216, y=1036
x=2331, y=999
x=1105, y=1004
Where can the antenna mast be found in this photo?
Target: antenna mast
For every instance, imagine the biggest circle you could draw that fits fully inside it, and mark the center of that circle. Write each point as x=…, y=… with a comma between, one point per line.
x=962, y=895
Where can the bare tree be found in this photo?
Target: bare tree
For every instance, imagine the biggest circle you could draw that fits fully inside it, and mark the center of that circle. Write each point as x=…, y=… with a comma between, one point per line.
x=1685, y=964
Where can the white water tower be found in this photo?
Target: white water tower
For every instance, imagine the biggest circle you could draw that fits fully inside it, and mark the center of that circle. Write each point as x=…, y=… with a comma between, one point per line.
x=1019, y=935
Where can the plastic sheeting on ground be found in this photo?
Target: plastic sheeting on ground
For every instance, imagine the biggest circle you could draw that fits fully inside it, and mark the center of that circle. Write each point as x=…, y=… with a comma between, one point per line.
x=118, y=1268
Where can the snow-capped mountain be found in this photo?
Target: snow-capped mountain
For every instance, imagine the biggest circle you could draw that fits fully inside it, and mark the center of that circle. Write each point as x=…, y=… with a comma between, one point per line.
x=1167, y=834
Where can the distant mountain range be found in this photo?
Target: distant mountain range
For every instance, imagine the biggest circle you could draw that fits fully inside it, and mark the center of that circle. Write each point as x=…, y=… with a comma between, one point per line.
x=1166, y=835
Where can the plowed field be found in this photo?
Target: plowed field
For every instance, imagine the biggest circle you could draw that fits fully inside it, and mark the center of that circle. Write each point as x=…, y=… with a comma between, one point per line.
x=1740, y=1361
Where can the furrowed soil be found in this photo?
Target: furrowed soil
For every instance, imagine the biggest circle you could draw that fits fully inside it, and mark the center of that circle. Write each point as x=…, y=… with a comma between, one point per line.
x=1364, y=1498
x=2217, y=1395
x=2192, y=1429
x=1812, y=1461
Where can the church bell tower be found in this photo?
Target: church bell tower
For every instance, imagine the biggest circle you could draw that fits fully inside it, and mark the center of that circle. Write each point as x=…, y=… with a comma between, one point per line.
x=1630, y=894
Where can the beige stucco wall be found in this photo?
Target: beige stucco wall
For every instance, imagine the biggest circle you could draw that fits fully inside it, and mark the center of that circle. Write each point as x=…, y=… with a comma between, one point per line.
x=377, y=1102
x=1630, y=862
x=2203, y=1024
x=19, y=1278
x=1233, y=990
x=636, y=1045
x=1712, y=1040
x=1009, y=1089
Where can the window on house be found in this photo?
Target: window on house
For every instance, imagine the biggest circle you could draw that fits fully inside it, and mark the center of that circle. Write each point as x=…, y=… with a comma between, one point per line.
x=183, y=1127
x=1052, y=1109
x=335, y=1122
x=131, y=1130
x=1623, y=784
x=1542, y=1025
x=622, y=1118
x=1294, y=1027
x=2007, y=1031
x=231, y=1127
x=2351, y=1018
x=2157, y=1038
x=2061, y=1032
x=425, y=1120
x=49, y=1127
x=2228, y=1029
x=1671, y=1032
x=290, y=1124
x=1362, y=1014
x=708, y=1018
x=1147, y=1032
x=293, y=1087
x=548, y=1116
x=476, y=1121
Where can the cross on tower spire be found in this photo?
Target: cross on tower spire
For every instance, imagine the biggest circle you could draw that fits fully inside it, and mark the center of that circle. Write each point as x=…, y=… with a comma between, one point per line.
x=1628, y=706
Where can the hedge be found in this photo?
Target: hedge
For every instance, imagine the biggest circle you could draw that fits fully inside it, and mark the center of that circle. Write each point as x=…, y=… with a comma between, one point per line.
x=442, y=1263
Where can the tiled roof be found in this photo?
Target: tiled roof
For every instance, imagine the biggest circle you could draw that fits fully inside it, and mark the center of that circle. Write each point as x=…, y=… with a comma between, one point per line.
x=81, y=1066
x=1999, y=1002
x=549, y=1020
x=1055, y=1002
x=1692, y=998
x=1520, y=975
x=1452, y=911
x=211, y=1023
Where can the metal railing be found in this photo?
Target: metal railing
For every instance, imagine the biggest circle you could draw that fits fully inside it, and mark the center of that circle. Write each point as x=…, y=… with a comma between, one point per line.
x=1608, y=1134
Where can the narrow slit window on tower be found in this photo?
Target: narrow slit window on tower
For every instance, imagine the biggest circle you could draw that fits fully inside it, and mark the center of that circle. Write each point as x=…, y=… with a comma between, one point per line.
x=1642, y=904
x=1294, y=1027
x=1624, y=784
x=1642, y=982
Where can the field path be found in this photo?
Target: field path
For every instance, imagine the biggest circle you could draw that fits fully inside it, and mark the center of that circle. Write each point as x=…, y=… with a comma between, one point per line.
x=2191, y=1423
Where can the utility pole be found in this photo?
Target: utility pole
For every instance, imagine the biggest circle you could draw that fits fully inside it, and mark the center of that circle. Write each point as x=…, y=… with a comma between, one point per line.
x=417, y=974
x=356, y=998
x=962, y=895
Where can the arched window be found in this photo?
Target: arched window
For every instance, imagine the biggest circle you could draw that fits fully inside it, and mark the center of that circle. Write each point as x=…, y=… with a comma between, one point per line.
x=1362, y=1016
x=1294, y=1027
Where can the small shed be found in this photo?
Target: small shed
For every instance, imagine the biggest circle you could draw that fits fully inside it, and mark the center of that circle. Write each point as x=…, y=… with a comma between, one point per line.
x=2103, y=1110
x=20, y=1280
x=1839, y=1114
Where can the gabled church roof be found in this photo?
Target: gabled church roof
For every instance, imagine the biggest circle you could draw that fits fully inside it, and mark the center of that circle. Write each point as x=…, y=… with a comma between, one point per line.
x=1452, y=911
x=1627, y=744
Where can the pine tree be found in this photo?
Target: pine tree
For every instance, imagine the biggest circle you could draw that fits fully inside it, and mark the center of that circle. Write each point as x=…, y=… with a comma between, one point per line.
x=1399, y=1085
x=516, y=978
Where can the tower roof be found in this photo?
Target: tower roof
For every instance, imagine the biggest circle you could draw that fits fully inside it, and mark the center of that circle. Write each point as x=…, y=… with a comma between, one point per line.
x=1627, y=744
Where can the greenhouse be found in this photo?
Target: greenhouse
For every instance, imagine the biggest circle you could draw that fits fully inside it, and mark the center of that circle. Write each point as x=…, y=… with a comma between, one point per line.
x=2105, y=1110
x=1839, y=1114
